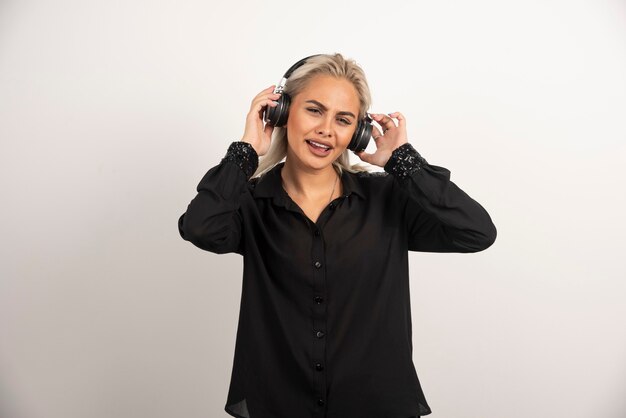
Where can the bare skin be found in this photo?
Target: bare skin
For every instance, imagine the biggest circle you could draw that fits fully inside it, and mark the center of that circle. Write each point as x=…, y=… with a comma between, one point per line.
x=310, y=179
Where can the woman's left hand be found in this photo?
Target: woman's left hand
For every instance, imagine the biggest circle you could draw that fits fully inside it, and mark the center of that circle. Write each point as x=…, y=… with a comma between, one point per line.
x=391, y=138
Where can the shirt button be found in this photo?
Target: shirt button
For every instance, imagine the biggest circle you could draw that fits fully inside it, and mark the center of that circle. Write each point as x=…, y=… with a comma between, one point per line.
x=318, y=366
x=317, y=232
x=332, y=206
x=319, y=334
x=318, y=264
x=319, y=299
x=320, y=402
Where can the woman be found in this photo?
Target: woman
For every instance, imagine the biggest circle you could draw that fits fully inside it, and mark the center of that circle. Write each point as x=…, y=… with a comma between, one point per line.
x=325, y=322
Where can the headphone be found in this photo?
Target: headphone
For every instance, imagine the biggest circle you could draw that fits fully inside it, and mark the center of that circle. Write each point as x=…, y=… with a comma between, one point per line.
x=277, y=115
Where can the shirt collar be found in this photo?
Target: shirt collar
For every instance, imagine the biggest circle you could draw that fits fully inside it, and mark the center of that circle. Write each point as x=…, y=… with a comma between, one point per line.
x=270, y=185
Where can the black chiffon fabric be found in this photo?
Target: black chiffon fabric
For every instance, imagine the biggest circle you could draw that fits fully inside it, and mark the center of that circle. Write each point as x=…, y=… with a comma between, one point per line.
x=324, y=327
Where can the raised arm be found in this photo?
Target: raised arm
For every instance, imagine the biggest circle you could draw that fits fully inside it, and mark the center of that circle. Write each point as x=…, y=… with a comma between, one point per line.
x=213, y=220
x=439, y=216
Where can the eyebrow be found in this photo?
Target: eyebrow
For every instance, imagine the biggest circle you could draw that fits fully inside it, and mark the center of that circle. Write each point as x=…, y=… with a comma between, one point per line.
x=325, y=108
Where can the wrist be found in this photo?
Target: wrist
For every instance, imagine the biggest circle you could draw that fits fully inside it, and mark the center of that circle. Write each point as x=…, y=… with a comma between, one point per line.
x=253, y=143
x=404, y=161
x=244, y=155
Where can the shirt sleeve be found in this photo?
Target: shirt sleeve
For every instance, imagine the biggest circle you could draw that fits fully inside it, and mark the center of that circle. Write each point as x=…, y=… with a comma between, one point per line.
x=213, y=220
x=438, y=215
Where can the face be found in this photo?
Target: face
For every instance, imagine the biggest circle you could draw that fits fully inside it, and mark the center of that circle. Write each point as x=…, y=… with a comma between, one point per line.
x=326, y=112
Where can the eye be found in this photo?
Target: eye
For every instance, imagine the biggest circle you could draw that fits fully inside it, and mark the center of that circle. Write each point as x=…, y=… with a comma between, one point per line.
x=316, y=110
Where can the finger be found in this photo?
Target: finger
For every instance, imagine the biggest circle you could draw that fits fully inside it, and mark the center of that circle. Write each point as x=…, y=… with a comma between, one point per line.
x=264, y=97
x=265, y=102
x=388, y=122
x=365, y=156
x=400, y=117
x=382, y=118
x=260, y=108
x=376, y=133
x=385, y=121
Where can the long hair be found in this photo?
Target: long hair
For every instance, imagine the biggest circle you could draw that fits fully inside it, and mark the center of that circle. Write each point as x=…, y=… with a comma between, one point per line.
x=326, y=64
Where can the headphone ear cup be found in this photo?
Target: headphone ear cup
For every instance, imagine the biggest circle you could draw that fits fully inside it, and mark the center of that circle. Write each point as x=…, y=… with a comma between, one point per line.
x=277, y=115
x=361, y=137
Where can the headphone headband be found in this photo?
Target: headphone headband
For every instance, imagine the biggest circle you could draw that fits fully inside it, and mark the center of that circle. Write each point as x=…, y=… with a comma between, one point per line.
x=281, y=86
x=297, y=65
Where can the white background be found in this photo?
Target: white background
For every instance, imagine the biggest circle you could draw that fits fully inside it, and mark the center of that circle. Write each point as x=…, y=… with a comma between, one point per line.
x=111, y=113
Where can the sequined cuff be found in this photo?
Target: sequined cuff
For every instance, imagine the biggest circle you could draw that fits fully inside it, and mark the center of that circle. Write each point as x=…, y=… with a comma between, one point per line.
x=244, y=155
x=404, y=161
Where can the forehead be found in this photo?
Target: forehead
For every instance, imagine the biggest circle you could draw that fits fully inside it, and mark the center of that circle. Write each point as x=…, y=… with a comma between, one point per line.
x=334, y=92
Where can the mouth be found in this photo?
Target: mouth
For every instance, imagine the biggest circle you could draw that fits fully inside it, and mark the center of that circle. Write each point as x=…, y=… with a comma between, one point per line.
x=317, y=148
x=320, y=145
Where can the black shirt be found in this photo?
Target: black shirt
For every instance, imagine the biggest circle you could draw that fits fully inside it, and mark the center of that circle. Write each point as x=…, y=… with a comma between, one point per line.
x=325, y=318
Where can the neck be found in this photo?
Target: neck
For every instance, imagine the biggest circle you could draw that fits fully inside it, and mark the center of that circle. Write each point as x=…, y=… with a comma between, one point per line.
x=311, y=184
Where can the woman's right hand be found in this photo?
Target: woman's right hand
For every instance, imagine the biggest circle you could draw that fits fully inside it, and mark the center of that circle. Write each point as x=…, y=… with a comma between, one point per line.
x=255, y=133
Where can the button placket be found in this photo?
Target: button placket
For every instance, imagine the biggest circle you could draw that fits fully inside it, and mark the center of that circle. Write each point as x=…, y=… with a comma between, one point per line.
x=318, y=333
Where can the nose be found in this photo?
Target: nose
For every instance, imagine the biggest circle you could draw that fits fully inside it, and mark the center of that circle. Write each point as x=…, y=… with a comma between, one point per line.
x=324, y=127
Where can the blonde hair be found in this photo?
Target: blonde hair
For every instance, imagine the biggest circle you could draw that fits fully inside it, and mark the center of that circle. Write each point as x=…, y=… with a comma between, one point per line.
x=325, y=64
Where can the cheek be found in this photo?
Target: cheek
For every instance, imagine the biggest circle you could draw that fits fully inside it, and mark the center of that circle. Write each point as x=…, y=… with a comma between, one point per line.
x=296, y=123
x=347, y=136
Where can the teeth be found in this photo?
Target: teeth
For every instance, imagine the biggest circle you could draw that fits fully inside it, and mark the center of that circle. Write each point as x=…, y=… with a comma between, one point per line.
x=319, y=145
